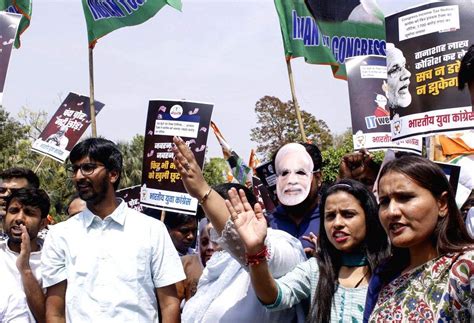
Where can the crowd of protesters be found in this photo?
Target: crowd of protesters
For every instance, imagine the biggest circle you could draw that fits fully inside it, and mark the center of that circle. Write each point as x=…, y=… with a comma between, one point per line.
x=324, y=255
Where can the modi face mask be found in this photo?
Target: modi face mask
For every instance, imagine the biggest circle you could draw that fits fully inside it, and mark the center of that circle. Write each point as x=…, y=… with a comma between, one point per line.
x=294, y=168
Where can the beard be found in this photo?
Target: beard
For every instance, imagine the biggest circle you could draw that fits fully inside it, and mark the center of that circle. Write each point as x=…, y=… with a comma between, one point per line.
x=292, y=199
x=95, y=196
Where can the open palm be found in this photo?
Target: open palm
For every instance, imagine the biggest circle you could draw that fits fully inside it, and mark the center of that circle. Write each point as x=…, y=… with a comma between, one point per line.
x=250, y=224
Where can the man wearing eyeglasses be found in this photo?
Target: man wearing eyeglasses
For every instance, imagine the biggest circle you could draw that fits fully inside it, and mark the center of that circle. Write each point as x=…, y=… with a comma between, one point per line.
x=12, y=179
x=108, y=263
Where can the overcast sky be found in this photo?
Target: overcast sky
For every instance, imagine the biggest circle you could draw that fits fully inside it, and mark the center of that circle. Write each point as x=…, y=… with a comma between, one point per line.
x=226, y=52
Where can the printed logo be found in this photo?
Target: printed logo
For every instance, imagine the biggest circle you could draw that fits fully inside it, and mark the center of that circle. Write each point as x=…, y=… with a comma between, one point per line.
x=176, y=111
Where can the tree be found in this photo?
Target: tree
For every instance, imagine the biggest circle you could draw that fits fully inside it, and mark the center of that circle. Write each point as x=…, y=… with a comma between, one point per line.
x=12, y=133
x=215, y=171
x=332, y=156
x=278, y=125
x=15, y=150
x=132, y=153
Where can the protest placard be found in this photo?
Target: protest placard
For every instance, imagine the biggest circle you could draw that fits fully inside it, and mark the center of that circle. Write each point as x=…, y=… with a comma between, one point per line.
x=267, y=175
x=425, y=46
x=370, y=115
x=131, y=196
x=66, y=127
x=162, y=187
x=8, y=28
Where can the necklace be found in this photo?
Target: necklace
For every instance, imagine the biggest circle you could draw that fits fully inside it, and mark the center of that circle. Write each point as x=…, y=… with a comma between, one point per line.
x=360, y=280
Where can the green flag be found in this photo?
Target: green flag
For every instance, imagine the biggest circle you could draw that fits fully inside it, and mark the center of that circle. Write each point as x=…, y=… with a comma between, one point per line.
x=22, y=7
x=104, y=16
x=330, y=41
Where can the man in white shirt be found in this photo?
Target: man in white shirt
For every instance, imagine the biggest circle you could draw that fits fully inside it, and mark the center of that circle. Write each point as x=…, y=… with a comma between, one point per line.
x=20, y=256
x=108, y=263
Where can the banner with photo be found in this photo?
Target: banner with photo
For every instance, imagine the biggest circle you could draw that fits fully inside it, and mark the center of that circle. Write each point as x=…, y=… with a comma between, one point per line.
x=66, y=127
x=162, y=187
x=366, y=79
x=8, y=29
x=328, y=31
x=425, y=46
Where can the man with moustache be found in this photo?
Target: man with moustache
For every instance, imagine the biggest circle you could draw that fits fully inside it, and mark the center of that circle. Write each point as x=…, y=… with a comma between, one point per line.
x=12, y=179
x=298, y=170
x=108, y=263
x=20, y=256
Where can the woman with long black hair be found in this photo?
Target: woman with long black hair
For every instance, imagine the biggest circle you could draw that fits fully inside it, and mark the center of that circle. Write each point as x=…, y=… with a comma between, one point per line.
x=351, y=244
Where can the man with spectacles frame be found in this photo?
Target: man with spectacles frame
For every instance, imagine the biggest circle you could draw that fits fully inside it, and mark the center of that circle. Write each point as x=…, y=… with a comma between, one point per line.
x=11, y=179
x=108, y=262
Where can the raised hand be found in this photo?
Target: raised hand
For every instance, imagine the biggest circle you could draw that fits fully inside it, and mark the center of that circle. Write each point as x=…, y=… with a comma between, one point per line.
x=359, y=166
x=250, y=224
x=312, y=238
x=190, y=171
x=23, y=259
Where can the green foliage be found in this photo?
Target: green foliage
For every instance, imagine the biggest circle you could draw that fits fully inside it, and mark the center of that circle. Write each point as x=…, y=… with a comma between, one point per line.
x=215, y=171
x=332, y=156
x=277, y=125
x=132, y=153
x=12, y=133
x=15, y=151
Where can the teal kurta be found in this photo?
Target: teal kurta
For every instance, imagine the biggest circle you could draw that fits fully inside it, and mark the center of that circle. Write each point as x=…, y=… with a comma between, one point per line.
x=300, y=284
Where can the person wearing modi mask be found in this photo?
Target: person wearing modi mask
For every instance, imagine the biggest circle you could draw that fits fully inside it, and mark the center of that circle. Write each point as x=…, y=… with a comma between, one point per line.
x=298, y=180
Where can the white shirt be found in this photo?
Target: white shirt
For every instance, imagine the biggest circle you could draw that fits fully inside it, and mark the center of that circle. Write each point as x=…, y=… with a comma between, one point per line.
x=13, y=306
x=10, y=276
x=112, y=266
x=225, y=292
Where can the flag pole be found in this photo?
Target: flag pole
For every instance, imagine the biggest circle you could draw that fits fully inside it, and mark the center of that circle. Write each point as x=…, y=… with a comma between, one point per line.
x=295, y=102
x=91, y=88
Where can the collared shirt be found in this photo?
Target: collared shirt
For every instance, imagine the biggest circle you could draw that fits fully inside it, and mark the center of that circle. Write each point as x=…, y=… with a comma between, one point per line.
x=11, y=286
x=112, y=266
x=280, y=220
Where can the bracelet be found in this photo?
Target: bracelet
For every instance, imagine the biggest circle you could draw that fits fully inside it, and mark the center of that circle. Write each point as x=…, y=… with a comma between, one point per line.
x=257, y=258
x=204, y=198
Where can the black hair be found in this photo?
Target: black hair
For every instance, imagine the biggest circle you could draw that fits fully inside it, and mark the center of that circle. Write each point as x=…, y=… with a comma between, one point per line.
x=101, y=150
x=34, y=197
x=450, y=233
x=466, y=70
x=223, y=190
x=174, y=220
x=312, y=150
x=374, y=247
x=18, y=172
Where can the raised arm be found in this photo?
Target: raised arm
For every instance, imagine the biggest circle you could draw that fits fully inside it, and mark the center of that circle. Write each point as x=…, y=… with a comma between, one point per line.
x=34, y=294
x=252, y=228
x=212, y=203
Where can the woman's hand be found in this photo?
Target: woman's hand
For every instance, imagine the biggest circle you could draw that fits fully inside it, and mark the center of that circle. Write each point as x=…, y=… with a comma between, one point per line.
x=190, y=171
x=250, y=224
